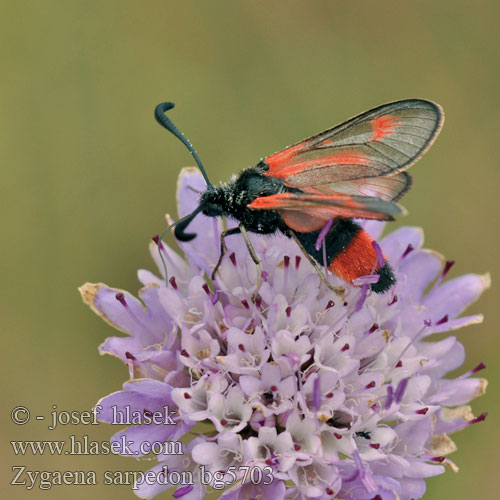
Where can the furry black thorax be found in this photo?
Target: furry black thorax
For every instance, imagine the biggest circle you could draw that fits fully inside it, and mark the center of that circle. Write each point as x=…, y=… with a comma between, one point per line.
x=232, y=200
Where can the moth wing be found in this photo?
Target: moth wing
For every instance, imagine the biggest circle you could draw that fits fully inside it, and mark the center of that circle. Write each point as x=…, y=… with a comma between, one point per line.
x=380, y=142
x=309, y=211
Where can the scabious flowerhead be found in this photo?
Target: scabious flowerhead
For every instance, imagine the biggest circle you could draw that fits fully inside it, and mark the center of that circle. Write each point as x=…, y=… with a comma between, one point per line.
x=298, y=393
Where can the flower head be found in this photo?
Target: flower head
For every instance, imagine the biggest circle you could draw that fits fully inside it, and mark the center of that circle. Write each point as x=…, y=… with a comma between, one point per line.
x=319, y=395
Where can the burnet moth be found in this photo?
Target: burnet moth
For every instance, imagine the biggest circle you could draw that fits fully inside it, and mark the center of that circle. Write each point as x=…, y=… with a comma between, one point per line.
x=311, y=191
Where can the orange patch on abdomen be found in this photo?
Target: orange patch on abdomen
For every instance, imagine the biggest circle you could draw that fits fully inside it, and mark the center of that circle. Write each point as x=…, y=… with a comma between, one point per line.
x=383, y=126
x=357, y=259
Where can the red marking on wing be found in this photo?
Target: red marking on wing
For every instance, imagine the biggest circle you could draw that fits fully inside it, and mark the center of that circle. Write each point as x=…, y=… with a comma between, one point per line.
x=283, y=157
x=268, y=202
x=383, y=126
x=289, y=200
x=320, y=207
x=282, y=169
x=356, y=260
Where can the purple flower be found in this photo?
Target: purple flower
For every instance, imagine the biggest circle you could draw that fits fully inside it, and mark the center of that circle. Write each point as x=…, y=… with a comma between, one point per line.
x=317, y=395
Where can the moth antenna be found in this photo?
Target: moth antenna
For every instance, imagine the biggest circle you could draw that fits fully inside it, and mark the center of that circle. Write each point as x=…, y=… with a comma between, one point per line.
x=165, y=122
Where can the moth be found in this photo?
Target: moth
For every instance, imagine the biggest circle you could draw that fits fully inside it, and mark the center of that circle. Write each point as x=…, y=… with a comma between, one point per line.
x=313, y=191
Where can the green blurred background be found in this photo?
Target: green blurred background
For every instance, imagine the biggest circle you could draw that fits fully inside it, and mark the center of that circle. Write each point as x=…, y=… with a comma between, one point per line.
x=87, y=174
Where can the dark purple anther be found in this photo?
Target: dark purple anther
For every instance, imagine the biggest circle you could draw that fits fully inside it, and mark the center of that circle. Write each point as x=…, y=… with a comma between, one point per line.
x=286, y=261
x=130, y=356
x=393, y=301
x=298, y=258
x=444, y=319
x=422, y=411
x=481, y=418
x=447, y=267
x=479, y=367
x=288, y=311
x=121, y=299
x=205, y=287
x=245, y=304
x=232, y=258
x=373, y=328
x=409, y=249
x=173, y=282
x=330, y=304
x=158, y=242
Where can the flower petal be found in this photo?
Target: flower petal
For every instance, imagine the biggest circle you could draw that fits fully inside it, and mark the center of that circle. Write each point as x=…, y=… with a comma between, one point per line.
x=453, y=296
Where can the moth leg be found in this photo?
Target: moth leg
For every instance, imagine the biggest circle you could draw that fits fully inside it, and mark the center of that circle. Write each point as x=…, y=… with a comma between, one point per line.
x=337, y=290
x=251, y=249
x=223, y=247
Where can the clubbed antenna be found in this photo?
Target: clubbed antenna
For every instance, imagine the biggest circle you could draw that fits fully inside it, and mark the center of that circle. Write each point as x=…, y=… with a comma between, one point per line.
x=164, y=121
